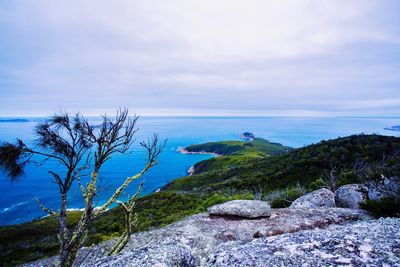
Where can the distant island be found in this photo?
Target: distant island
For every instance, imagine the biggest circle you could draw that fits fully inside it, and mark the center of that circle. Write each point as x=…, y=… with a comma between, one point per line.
x=393, y=128
x=247, y=136
x=14, y=120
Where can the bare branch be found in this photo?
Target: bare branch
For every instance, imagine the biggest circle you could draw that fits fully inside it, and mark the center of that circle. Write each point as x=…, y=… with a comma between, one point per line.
x=53, y=213
x=118, y=192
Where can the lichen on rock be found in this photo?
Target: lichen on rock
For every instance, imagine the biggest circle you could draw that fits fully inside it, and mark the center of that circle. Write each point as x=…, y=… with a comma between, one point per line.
x=367, y=243
x=316, y=199
x=191, y=241
x=350, y=195
x=242, y=208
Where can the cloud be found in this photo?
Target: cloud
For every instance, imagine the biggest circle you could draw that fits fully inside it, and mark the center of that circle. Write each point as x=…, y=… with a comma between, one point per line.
x=215, y=57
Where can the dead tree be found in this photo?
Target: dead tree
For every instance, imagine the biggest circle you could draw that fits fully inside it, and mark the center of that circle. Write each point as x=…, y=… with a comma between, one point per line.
x=330, y=178
x=78, y=146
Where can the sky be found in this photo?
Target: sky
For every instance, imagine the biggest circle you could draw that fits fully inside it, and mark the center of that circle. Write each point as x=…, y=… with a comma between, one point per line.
x=207, y=57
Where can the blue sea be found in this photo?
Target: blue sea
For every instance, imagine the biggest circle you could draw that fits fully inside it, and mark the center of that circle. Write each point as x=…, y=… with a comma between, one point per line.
x=17, y=204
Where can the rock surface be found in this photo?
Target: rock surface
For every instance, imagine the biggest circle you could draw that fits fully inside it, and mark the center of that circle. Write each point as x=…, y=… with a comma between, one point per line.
x=350, y=195
x=242, y=208
x=386, y=187
x=372, y=243
x=319, y=198
x=149, y=256
x=191, y=241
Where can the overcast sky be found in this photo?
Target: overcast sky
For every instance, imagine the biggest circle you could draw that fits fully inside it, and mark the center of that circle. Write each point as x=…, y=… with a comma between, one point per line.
x=225, y=57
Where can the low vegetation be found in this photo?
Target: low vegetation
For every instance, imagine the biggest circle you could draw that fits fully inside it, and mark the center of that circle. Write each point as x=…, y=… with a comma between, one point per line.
x=37, y=239
x=257, y=146
x=283, y=198
x=386, y=207
x=352, y=159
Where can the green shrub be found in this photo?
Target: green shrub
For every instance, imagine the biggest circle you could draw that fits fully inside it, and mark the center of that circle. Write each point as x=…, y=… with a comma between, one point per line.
x=386, y=207
x=317, y=184
x=283, y=198
x=348, y=177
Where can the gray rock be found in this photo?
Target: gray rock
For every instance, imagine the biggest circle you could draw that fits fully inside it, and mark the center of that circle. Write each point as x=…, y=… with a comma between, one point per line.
x=192, y=240
x=371, y=243
x=153, y=255
x=386, y=187
x=316, y=199
x=242, y=208
x=350, y=195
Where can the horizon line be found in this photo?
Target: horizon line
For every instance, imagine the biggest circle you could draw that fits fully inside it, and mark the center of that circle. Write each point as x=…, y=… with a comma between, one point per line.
x=215, y=115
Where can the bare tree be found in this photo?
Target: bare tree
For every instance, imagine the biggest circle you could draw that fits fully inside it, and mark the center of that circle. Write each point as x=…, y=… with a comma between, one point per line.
x=259, y=190
x=331, y=177
x=79, y=147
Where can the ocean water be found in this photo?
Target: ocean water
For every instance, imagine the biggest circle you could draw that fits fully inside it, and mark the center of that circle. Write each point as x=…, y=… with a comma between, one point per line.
x=17, y=204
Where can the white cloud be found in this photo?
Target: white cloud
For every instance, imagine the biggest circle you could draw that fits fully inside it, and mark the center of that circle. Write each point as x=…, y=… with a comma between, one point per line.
x=226, y=55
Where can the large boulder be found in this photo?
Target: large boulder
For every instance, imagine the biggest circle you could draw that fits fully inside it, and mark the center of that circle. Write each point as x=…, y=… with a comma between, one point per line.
x=350, y=195
x=367, y=243
x=316, y=199
x=242, y=208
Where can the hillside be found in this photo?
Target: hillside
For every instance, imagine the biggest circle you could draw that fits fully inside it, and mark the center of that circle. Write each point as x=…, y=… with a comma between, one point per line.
x=302, y=166
x=239, y=175
x=257, y=146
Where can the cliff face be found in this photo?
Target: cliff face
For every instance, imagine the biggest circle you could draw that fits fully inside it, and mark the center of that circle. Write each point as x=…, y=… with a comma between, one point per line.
x=285, y=237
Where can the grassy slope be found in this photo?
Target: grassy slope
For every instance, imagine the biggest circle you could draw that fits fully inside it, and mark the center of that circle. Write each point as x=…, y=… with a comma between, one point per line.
x=240, y=147
x=236, y=174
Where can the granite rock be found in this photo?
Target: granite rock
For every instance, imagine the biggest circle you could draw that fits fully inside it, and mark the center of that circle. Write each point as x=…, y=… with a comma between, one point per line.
x=367, y=243
x=191, y=241
x=316, y=199
x=242, y=208
x=350, y=195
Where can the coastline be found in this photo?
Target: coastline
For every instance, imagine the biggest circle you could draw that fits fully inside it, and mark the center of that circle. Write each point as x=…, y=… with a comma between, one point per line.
x=183, y=150
x=191, y=171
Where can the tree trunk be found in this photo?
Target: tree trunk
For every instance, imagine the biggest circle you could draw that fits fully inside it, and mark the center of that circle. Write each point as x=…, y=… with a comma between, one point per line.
x=68, y=255
x=70, y=242
x=63, y=231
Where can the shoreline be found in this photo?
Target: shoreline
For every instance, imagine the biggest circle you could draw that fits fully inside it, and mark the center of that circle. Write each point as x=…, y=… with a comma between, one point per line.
x=191, y=171
x=183, y=150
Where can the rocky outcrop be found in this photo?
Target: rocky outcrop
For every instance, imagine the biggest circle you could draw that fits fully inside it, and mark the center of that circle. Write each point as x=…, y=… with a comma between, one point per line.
x=316, y=199
x=350, y=195
x=372, y=243
x=242, y=208
x=386, y=187
x=247, y=136
x=190, y=242
x=152, y=255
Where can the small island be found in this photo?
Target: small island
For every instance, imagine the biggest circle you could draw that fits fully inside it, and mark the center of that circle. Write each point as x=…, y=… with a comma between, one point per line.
x=14, y=120
x=247, y=136
x=393, y=128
